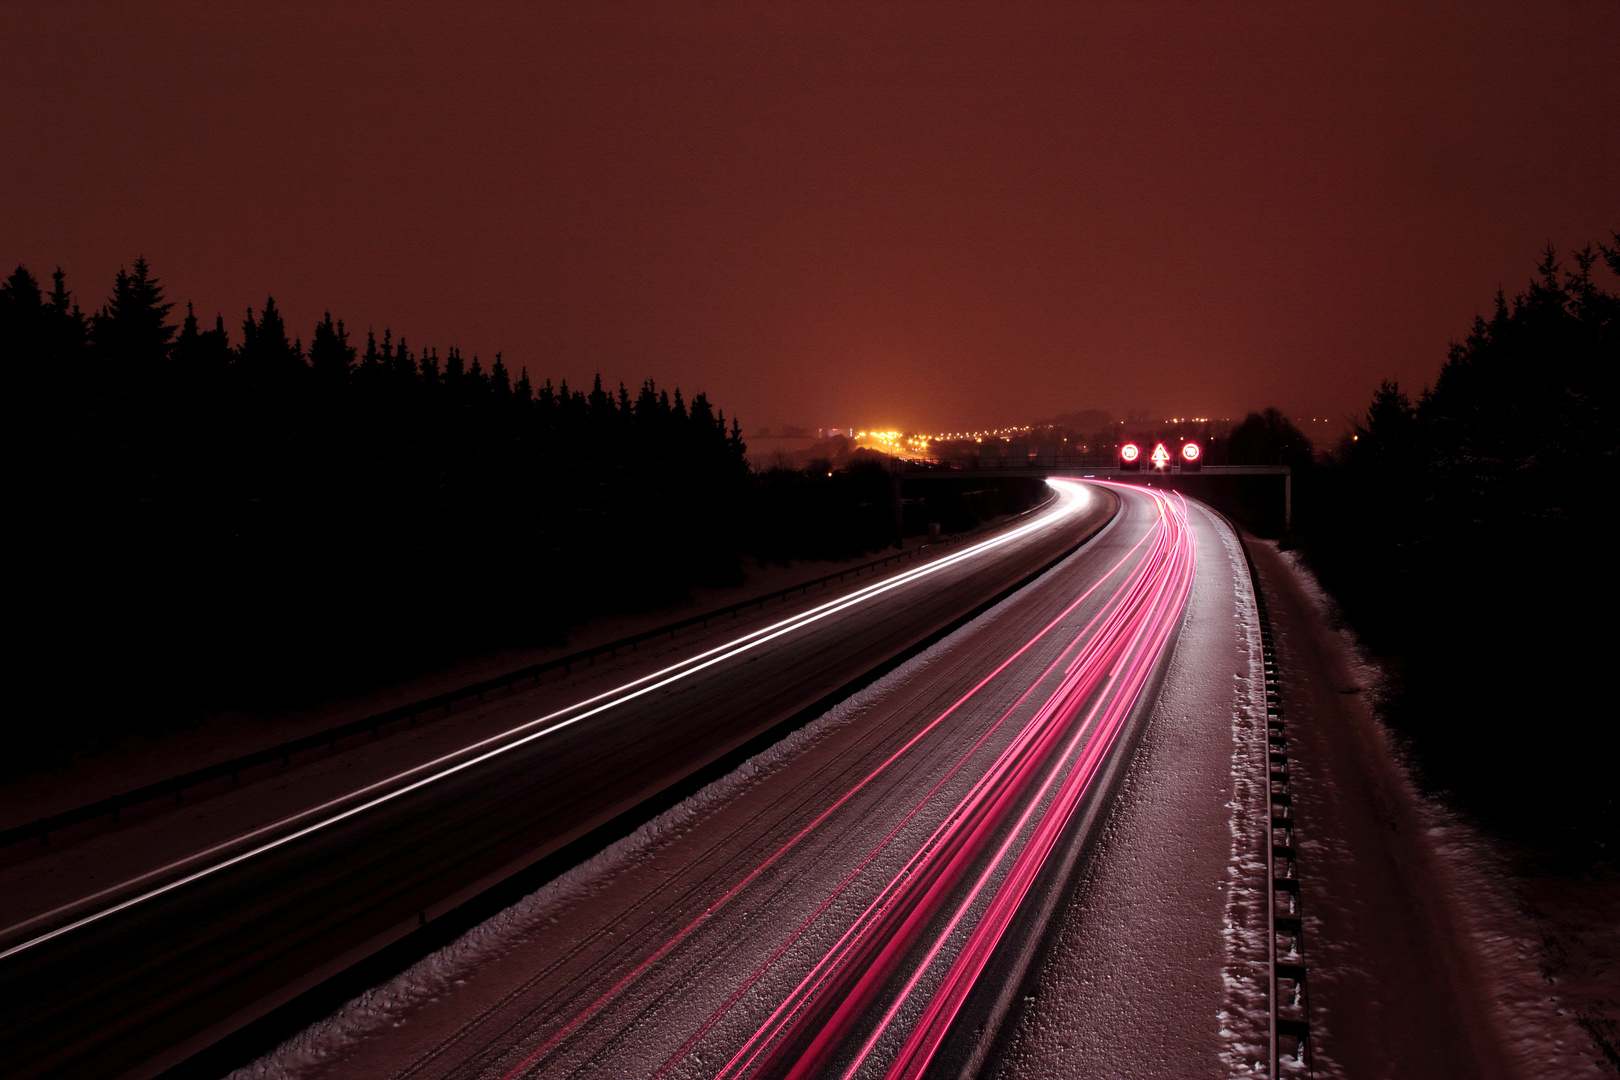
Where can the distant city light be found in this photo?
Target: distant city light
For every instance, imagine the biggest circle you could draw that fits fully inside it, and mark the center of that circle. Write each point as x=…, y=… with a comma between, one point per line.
x=930, y=446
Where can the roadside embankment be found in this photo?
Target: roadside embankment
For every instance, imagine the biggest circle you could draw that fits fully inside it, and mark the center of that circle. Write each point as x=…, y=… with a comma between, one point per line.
x=1424, y=957
x=1154, y=965
x=139, y=759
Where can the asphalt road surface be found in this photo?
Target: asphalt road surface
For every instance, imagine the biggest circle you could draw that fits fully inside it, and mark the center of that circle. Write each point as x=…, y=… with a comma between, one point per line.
x=142, y=977
x=858, y=900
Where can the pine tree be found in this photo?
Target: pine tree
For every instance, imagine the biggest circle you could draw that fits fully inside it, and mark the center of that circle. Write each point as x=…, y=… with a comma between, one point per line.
x=331, y=357
x=370, y=360
x=500, y=381
x=188, y=346
x=646, y=407
x=60, y=297
x=68, y=329
x=1387, y=436
x=221, y=342
x=266, y=352
x=702, y=414
x=133, y=326
x=22, y=321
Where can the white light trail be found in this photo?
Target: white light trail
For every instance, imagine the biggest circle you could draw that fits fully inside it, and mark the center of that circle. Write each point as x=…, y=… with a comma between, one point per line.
x=1071, y=499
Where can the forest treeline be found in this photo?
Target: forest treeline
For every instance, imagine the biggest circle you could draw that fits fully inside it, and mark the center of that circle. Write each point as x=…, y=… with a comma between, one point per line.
x=1468, y=534
x=214, y=519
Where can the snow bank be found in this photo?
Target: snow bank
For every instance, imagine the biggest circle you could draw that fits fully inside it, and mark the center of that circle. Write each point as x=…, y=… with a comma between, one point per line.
x=1540, y=1036
x=1245, y=1017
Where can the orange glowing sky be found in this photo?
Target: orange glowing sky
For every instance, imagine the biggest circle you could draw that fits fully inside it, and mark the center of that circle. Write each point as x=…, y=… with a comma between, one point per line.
x=925, y=216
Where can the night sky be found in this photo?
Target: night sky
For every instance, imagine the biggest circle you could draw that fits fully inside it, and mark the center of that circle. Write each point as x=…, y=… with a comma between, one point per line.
x=929, y=216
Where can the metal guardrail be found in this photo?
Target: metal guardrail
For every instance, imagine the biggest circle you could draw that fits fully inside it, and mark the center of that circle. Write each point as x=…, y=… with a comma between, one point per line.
x=1288, y=996
x=114, y=806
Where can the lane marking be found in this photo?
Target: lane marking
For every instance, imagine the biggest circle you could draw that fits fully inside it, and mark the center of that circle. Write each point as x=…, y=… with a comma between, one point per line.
x=613, y=992
x=1073, y=498
x=1131, y=640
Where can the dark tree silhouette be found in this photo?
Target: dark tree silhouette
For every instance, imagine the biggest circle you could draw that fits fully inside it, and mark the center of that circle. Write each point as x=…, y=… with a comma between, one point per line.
x=330, y=354
x=133, y=327
x=1269, y=438
x=209, y=525
x=212, y=526
x=1466, y=536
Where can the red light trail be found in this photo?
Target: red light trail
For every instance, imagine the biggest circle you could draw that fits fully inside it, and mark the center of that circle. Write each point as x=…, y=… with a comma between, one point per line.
x=897, y=975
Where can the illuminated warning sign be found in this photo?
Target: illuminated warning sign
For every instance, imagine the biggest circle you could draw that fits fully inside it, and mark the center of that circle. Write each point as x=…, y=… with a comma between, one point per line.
x=1161, y=456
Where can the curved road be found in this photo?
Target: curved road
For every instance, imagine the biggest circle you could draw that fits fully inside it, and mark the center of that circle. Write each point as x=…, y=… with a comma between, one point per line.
x=136, y=980
x=857, y=900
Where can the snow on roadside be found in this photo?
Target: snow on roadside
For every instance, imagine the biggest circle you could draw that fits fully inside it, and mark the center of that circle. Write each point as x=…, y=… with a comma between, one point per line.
x=388, y=1006
x=1541, y=1038
x=1368, y=672
x=1245, y=1016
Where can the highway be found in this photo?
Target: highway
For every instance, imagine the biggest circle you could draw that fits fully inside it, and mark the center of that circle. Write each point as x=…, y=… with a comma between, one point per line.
x=140, y=976
x=856, y=901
